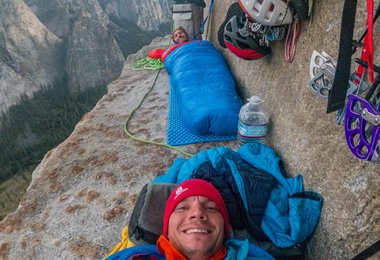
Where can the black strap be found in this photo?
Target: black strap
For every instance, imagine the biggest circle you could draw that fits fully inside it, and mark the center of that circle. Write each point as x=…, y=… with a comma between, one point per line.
x=373, y=249
x=337, y=94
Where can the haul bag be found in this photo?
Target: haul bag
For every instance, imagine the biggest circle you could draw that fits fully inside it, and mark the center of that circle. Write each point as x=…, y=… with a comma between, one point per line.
x=145, y=225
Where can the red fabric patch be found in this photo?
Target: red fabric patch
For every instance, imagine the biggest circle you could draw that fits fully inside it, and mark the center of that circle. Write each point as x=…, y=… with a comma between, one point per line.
x=247, y=54
x=156, y=53
x=172, y=48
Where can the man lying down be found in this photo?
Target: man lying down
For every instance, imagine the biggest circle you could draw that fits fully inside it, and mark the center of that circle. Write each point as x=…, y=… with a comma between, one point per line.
x=195, y=226
x=202, y=84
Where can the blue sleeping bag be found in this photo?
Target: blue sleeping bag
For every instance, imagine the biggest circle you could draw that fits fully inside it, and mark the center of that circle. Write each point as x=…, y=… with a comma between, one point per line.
x=205, y=88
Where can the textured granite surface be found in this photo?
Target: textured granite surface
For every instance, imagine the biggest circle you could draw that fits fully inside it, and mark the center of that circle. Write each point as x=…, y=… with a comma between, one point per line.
x=83, y=192
x=308, y=139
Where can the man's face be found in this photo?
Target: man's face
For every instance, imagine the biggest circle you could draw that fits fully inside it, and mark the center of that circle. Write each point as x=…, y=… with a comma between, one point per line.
x=180, y=36
x=196, y=227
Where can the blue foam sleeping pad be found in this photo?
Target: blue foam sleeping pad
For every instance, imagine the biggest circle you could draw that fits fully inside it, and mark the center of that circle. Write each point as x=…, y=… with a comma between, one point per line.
x=206, y=89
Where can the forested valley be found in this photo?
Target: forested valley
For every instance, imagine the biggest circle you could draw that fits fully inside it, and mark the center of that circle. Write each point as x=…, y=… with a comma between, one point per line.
x=31, y=128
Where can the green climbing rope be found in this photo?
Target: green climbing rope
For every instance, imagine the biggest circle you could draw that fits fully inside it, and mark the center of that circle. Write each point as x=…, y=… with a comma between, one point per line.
x=150, y=64
x=147, y=64
x=145, y=140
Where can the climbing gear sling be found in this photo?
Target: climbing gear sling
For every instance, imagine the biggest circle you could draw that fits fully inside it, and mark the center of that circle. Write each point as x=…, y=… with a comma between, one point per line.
x=338, y=92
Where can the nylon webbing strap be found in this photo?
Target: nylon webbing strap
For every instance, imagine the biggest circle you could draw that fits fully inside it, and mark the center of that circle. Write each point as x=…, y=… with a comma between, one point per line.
x=200, y=31
x=337, y=94
x=368, y=42
x=370, y=251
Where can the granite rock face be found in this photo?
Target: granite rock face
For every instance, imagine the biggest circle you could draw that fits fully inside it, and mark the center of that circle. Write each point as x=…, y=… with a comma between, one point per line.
x=83, y=192
x=23, y=40
x=148, y=14
x=308, y=139
x=84, y=49
x=55, y=15
x=91, y=55
x=44, y=41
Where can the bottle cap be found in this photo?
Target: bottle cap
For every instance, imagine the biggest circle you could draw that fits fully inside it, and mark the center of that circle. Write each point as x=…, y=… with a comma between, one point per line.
x=255, y=100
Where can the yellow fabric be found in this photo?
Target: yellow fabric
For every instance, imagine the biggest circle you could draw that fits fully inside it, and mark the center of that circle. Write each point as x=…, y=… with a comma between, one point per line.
x=123, y=244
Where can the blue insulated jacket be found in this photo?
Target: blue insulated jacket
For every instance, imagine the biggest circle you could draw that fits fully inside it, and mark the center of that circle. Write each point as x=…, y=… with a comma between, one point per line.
x=290, y=215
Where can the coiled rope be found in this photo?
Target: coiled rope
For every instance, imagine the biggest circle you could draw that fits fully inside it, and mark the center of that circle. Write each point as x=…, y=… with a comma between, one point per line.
x=147, y=64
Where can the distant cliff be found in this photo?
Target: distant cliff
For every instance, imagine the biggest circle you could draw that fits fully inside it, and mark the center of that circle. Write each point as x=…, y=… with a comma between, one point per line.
x=30, y=55
x=148, y=15
x=86, y=40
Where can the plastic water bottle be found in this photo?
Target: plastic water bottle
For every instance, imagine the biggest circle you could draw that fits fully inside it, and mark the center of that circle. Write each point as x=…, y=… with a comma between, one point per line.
x=253, y=122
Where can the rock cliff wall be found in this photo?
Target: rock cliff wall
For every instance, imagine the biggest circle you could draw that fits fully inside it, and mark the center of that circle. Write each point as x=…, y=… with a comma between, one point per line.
x=45, y=40
x=93, y=56
x=148, y=15
x=22, y=40
x=83, y=192
x=309, y=140
x=84, y=49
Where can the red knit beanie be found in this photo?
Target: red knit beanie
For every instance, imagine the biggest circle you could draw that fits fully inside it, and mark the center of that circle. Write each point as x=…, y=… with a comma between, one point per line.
x=195, y=187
